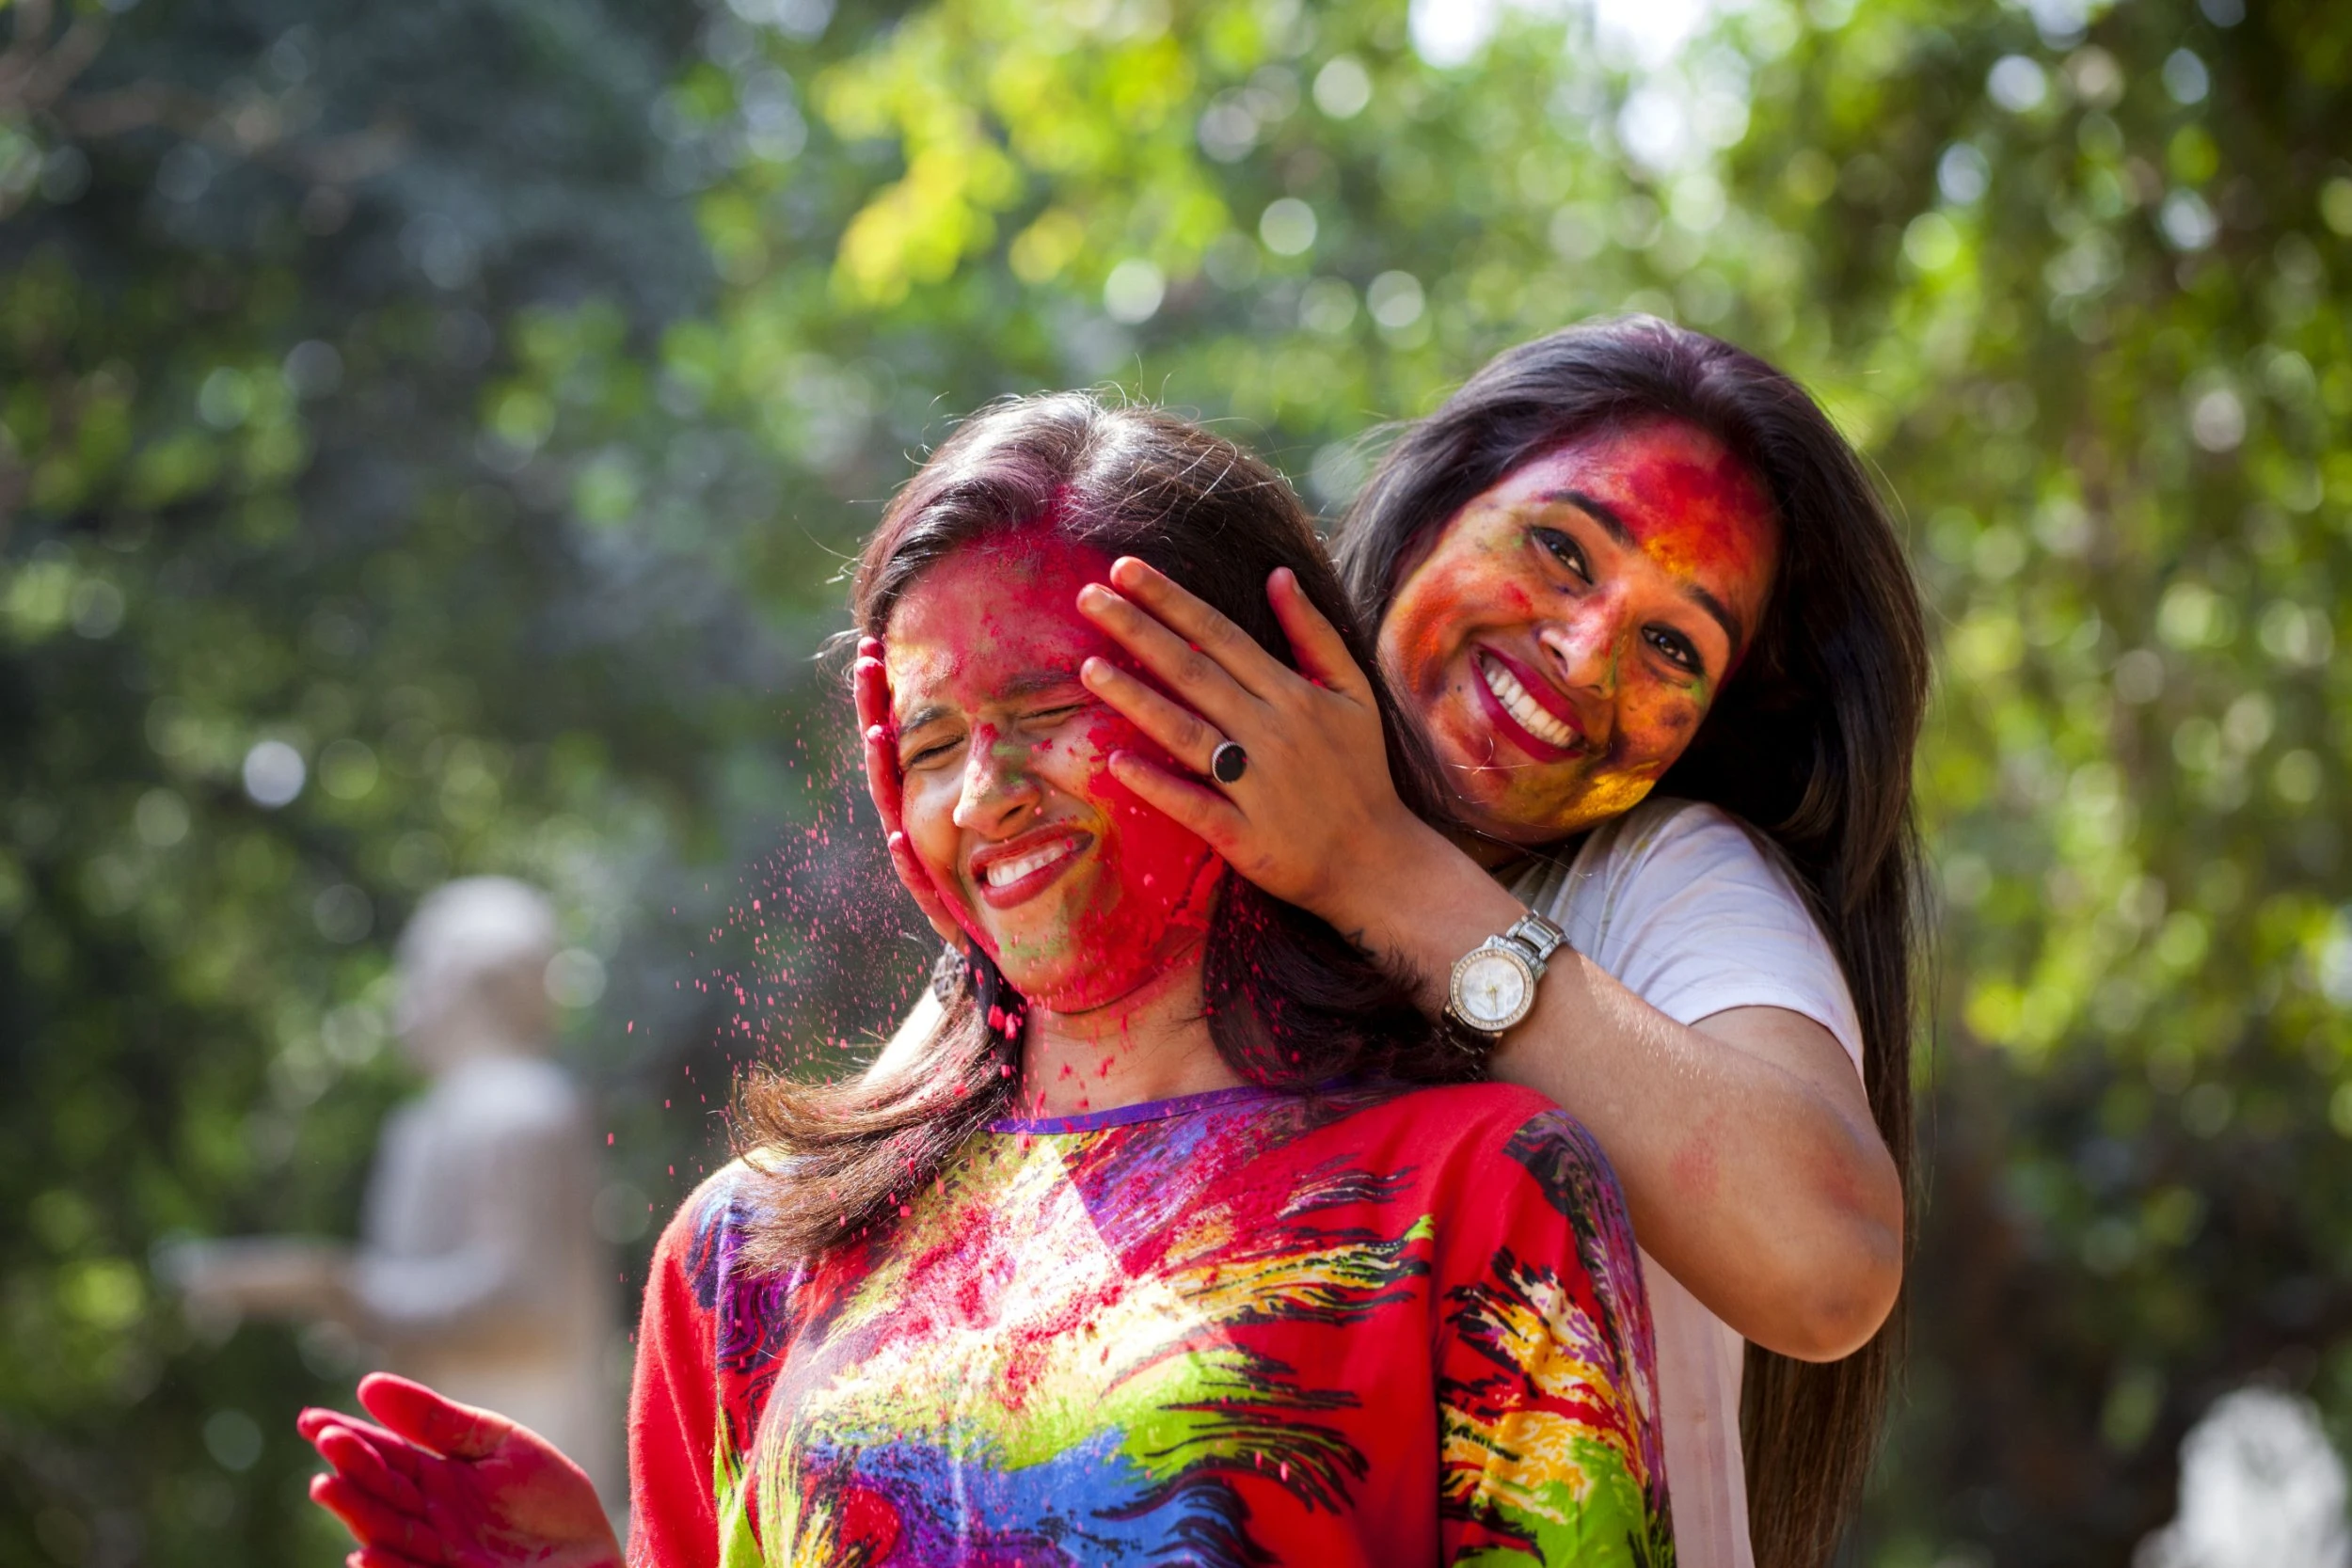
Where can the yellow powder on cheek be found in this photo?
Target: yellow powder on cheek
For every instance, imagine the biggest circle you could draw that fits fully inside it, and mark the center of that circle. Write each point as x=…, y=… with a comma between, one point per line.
x=1604, y=796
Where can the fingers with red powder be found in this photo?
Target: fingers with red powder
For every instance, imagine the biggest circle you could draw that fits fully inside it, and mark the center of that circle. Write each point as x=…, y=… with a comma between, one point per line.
x=373, y=1523
x=431, y=1420
x=372, y=1469
x=384, y=1556
x=870, y=682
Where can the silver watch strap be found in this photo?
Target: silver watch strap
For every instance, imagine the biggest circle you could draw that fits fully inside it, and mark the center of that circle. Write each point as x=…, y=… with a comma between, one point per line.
x=1538, y=936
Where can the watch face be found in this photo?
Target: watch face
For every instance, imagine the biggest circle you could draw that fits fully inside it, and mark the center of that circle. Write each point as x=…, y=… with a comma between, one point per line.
x=1493, y=991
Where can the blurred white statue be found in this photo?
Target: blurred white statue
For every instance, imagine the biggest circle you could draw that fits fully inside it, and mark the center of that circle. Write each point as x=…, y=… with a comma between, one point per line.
x=478, y=1271
x=2261, y=1487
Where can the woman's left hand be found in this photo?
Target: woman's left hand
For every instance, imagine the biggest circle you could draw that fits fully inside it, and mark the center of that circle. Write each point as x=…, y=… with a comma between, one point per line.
x=447, y=1485
x=1314, y=820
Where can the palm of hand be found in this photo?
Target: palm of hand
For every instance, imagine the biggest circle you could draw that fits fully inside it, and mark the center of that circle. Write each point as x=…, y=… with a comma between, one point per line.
x=444, y=1485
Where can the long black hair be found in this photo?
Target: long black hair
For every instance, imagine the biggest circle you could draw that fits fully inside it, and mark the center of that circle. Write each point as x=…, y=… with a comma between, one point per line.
x=1809, y=743
x=1288, y=1001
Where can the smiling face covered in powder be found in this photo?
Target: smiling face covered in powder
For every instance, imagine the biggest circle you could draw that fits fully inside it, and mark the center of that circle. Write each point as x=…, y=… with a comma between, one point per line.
x=1080, y=892
x=1569, y=628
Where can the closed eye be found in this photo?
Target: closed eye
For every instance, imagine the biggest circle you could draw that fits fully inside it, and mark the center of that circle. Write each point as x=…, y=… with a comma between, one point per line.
x=929, y=753
x=1564, y=549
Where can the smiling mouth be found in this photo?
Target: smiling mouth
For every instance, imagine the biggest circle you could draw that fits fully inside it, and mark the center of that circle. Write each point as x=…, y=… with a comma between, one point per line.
x=1525, y=711
x=1006, y=873
x=1017, y=872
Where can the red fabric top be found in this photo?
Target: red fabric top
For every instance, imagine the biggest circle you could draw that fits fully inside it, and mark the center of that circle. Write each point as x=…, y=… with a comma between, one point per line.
x=1366, y=1327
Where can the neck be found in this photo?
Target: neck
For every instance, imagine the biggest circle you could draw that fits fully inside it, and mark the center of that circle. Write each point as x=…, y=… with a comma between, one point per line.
x=1491, y=854
x=1152, y=1043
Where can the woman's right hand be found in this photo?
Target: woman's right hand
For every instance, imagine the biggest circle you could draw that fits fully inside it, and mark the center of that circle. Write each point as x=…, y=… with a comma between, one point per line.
x=446, y=1485
x=1316, y=820
x=871, y=683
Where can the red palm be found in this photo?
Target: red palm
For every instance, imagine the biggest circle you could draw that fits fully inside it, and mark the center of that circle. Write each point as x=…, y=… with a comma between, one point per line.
x=446, y=1485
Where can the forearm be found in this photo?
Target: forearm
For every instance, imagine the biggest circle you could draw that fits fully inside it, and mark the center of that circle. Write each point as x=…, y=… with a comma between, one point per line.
x=1749, y=1161
x=1774, y=1204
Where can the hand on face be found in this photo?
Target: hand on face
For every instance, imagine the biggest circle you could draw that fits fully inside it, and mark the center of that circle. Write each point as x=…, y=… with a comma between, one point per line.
x=1304, y=820
x=1569, y=628
x=872, y=686
x=1078, y=890
x=444, y=1485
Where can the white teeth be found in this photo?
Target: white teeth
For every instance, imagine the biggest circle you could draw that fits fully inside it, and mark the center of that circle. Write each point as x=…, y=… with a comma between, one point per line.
x=1006, y=873
x=1531, y=714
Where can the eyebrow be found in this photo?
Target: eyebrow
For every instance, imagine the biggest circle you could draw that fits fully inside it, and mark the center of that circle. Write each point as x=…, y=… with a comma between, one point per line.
x=1026, y=684
x=1613, y=524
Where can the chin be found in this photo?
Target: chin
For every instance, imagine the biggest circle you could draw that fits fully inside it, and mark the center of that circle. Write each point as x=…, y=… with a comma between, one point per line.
x=1490, y=802
x=1110, y=969
x=1082, y=990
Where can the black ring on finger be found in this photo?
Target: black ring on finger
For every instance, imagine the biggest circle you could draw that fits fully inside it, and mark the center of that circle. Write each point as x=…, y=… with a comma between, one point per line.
x=1227, y=763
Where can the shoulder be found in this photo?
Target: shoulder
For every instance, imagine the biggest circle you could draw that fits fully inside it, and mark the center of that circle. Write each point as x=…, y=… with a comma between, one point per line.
x=704, y=1233
x=1683, y=837
x=1452, y=1113
x=1519, y=1174
x=1564, y=1162
x=723, y=1192
x=1678, y=897
x=1490, y=1125
x=1683, y=856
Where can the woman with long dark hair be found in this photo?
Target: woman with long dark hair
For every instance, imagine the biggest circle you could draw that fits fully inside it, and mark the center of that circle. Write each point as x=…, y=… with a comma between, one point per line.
x=1643, y=603
x=1149, y=1249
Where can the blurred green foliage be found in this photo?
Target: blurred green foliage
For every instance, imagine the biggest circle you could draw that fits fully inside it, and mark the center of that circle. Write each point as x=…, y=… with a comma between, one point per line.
x=429, y=434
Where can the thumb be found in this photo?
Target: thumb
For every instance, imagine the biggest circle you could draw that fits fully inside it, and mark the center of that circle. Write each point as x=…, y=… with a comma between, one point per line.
x=428, y=1420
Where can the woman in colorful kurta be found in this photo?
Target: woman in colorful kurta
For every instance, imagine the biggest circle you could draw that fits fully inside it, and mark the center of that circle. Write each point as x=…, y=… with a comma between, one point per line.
x=1154, y=1252
x=1241, y=1327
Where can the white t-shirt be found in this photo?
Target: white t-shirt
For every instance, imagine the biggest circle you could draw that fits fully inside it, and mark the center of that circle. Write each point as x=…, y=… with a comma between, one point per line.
x=1677, y=903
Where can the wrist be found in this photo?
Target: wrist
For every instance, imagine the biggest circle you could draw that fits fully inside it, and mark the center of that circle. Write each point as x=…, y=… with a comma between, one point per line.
x=1363, y=902
x=1493, y=986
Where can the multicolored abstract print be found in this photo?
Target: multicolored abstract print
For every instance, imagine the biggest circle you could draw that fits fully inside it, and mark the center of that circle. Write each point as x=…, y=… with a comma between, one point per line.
x=1553, y=1440
x=1239, y=1328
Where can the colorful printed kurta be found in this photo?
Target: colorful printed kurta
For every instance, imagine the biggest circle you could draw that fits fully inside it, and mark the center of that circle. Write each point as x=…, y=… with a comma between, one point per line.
x=1367, y=1326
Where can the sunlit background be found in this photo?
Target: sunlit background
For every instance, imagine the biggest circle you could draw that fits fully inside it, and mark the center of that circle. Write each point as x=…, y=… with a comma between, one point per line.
x=429, y=434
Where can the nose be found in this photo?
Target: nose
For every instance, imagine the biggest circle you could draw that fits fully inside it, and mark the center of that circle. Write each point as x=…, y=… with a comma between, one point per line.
x=1586, y=645
x=998, y=785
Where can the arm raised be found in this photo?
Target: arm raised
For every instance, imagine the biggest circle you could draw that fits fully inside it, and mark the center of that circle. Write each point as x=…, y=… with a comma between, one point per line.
x=1744, y=1142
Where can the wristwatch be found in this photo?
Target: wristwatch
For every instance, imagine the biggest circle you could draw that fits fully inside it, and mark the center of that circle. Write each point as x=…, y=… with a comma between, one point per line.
x=1494, y=983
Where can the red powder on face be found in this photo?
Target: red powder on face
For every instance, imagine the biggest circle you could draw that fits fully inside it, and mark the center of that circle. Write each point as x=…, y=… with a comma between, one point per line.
x=1573, y=576
x=1694, y=507
x=1001, y=742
